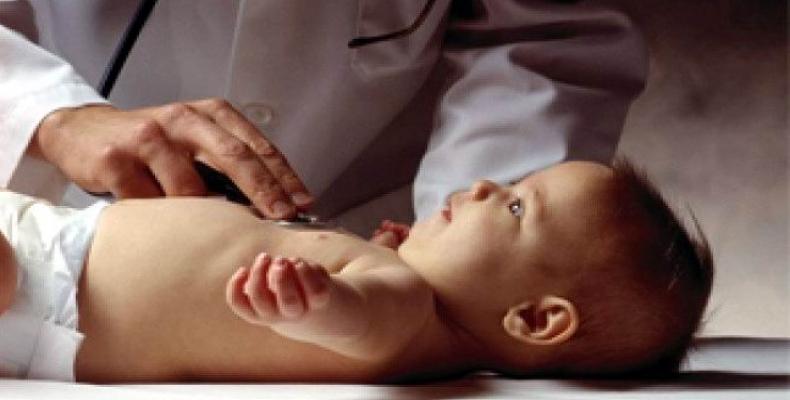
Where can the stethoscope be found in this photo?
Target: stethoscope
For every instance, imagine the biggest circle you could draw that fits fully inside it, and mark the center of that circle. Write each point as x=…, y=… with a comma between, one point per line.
x=215, y=181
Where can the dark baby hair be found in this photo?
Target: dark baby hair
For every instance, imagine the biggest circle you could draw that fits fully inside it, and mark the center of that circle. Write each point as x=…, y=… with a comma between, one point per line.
x=658, y=279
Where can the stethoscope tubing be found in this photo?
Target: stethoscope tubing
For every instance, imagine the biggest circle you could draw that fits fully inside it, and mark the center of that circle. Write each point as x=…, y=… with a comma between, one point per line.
x=129, y=38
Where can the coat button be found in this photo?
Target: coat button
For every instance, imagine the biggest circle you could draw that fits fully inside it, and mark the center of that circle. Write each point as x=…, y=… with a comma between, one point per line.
x=258, y=113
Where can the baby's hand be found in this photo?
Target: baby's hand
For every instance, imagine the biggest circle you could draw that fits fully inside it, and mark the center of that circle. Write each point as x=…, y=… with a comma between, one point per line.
x=277, y=289
x=390, y=234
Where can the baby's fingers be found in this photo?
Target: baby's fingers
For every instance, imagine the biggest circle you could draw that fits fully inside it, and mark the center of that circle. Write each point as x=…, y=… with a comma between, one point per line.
x=260, y=298
x=401, y=230
x=235, y=297
x=282, y=282
x=315, y=284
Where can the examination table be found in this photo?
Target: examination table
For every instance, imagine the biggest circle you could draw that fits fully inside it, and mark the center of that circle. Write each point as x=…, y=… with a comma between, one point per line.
x=716, y=369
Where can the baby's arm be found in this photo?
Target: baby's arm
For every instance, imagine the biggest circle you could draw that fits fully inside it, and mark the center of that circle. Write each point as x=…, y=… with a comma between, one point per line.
x=7, y=274
x=365, y=313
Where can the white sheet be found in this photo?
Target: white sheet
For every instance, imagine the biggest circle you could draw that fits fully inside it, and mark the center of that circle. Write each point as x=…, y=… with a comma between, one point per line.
x=718, y=369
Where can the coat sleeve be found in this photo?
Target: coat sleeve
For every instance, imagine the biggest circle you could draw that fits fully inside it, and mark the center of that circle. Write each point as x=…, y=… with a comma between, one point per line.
x=534, y=83
x=33, y=83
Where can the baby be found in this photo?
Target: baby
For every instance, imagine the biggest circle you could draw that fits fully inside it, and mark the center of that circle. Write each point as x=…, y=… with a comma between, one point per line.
x=578, y=269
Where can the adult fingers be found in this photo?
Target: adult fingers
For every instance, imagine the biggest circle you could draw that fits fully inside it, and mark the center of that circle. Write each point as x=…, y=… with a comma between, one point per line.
x=125, y=177
x=230, y=155
x=227, y=117
x=171, y=167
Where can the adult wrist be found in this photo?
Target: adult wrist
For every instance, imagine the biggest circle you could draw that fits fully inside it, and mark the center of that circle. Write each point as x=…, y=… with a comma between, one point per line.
x=42, y=137
x=46, y=135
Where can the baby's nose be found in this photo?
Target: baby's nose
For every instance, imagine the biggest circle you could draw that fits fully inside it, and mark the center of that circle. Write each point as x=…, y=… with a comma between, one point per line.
x=482, y=189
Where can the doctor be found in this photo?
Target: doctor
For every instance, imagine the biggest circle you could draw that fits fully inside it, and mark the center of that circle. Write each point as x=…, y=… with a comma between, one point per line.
x=301, y=103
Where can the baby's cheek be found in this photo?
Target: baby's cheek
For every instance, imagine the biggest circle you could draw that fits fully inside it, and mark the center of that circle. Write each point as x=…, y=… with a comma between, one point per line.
x=478, y=255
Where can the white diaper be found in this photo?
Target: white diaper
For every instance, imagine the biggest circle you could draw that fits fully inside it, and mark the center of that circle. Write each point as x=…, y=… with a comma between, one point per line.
x=38, y=334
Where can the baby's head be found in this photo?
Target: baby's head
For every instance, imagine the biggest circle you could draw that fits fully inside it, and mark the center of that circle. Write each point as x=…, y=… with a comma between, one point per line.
x=578, y=269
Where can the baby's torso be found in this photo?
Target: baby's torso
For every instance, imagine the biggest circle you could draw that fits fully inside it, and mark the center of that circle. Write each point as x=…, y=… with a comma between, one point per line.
x=152, y=301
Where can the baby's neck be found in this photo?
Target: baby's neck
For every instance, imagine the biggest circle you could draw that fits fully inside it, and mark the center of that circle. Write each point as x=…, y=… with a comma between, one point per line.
x=442, y=349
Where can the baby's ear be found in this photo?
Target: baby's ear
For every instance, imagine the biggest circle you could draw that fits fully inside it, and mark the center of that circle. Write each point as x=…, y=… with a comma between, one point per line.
x=551, y=320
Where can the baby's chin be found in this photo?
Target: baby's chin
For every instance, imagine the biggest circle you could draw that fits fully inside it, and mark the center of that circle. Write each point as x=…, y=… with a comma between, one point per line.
x=420, y=233
x=426, y=225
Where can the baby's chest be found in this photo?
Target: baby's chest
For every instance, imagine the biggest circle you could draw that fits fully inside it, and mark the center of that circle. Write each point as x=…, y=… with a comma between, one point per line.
x=333, y=250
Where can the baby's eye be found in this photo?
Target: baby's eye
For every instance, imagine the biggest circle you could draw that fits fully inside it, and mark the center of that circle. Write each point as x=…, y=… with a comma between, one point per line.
x=516, y=208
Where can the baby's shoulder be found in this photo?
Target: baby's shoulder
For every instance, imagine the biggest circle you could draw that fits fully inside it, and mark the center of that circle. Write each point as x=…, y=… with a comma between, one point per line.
x=377, y=259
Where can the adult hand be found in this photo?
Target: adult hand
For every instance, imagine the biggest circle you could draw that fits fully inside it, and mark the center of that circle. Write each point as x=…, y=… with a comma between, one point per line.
x=149, y=152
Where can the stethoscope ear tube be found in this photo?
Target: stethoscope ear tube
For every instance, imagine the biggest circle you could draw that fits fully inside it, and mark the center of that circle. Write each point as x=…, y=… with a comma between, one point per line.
x=118, y=59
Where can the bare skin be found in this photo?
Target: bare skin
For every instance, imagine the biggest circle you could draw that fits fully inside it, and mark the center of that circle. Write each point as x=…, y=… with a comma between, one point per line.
x=151, y=303
x=200, y=289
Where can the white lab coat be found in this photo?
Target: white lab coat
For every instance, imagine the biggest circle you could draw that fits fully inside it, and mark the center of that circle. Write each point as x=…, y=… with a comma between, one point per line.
x=491, y=89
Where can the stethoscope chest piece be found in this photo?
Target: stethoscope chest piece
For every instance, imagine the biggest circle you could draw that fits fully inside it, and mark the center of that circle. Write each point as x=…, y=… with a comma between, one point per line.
x=305, y=221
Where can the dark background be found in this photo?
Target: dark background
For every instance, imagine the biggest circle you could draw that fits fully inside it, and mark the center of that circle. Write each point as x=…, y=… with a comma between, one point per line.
x=711, y=128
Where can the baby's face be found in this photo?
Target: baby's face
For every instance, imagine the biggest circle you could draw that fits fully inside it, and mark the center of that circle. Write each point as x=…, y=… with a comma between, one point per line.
x=492, y=246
